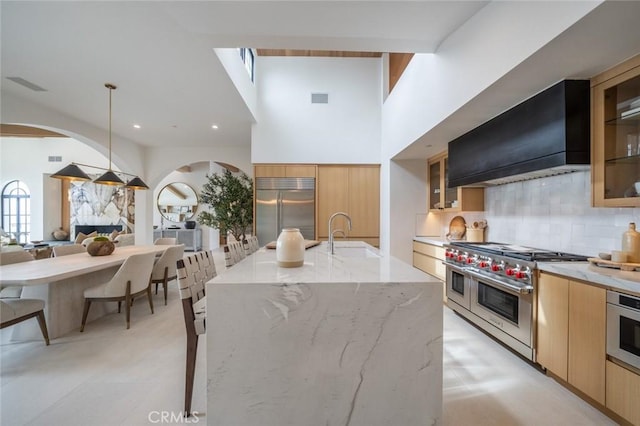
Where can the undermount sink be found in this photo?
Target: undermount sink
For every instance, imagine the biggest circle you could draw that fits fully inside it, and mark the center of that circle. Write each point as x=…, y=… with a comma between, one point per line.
x=355, y=252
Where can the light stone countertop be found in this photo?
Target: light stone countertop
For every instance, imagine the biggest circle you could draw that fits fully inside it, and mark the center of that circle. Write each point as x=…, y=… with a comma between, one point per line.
x=355, y=261
x=353, y=339
x=436, y=241
x=614, y=279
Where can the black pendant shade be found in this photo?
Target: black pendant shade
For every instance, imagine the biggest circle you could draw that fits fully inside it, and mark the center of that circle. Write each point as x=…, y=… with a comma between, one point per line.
x=109, y=178
x=71, y=172
x=136, y=183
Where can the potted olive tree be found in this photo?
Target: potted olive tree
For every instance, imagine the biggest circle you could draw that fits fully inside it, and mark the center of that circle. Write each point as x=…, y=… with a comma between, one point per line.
x=230, y=200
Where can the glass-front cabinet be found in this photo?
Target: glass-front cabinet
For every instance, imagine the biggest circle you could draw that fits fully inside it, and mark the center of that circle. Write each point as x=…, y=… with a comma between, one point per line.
x=443, y=198
x=616, y=136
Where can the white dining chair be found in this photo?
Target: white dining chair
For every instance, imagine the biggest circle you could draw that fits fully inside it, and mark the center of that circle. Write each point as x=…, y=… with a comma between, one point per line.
x=13, y=311
x=68, y=249
x=9, y=258
x=165, y=241
x=164, y=269
x=130, y=281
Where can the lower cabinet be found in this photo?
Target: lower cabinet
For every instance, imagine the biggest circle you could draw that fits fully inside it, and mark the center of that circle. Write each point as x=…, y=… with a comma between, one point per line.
x=623, y=392
x=571, y=333
x=429, y=258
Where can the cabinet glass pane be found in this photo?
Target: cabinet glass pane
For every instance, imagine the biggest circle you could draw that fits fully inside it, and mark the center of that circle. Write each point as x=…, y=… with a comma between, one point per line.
x=622, y=139
x=451, y=194
x=434, y=186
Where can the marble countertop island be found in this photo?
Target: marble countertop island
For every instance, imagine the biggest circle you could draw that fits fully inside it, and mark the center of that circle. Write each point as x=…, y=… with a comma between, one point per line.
x=353, y=338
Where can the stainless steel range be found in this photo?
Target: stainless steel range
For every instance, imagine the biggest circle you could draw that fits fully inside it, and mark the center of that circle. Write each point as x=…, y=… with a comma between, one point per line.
x=493, y=285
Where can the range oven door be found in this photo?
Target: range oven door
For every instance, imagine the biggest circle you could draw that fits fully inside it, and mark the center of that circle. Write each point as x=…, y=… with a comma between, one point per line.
x=459, y=286
x=505, y=306
x=623, y=328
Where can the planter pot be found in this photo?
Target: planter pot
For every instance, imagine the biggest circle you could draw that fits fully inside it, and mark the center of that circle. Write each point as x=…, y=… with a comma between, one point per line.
x=100, y=248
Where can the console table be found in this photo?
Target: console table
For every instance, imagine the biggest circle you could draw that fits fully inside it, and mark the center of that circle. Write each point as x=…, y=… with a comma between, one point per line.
x=191, y=238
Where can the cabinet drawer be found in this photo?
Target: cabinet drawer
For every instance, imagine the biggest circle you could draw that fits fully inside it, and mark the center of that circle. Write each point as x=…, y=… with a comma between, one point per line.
x=430, y=265
x=429, y=250
x=623, y=392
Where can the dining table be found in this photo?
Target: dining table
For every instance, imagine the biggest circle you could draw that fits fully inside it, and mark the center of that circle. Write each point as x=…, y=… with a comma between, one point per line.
x=60, y=282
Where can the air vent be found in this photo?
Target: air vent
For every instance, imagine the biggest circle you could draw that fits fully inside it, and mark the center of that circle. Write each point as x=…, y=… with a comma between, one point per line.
x=55, y=158
x=319, y=98
x=27, y=84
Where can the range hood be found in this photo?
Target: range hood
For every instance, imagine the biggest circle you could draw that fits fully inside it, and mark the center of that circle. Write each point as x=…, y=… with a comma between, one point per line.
x=545, y=135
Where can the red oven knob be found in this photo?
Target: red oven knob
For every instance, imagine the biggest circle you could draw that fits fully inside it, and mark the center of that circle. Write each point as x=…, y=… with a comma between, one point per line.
x=483, y=264
x=469, y=260
x=510, y=272
x=495, y=268
x=460, y=258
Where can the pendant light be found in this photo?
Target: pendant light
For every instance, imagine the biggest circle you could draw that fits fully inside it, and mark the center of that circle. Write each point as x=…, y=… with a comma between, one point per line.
x=73, y=172
x=109, y=178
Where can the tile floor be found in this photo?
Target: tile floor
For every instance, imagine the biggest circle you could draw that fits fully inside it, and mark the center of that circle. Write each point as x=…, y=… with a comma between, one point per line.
x=112, y=376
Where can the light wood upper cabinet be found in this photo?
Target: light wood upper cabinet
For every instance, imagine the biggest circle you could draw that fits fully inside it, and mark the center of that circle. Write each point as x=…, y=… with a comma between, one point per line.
x=571, y=333
x=284, y=170
x=442, y=198
x=615, y=141
x=354, y=190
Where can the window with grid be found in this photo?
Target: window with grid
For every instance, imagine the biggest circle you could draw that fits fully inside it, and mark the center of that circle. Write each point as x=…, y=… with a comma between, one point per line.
x=16, y=211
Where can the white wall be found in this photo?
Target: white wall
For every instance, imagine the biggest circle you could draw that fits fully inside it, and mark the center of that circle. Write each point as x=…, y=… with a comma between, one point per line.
x=490, y=44
x=293, y=130
x=26, y=159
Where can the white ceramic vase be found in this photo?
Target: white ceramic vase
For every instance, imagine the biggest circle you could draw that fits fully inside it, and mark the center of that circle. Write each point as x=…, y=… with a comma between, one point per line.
x=290, y=248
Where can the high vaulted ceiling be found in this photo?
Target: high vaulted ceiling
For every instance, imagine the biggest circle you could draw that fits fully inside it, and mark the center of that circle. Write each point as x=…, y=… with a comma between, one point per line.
x=160, y=55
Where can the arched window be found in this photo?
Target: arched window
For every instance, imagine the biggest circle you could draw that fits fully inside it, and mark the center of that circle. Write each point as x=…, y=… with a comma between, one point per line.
x=16, y=210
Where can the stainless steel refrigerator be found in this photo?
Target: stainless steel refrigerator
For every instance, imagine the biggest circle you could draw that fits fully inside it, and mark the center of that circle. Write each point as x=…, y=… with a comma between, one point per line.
x=285, y=203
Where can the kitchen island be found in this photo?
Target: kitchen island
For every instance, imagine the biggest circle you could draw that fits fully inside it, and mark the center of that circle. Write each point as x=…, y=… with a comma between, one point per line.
x=353, y=338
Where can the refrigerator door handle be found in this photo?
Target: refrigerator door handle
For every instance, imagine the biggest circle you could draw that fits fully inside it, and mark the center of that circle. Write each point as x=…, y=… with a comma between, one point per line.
x=279, y=214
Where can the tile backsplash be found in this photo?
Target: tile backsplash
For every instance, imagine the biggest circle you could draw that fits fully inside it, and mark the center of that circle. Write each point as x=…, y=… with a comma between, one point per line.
x=552, y=213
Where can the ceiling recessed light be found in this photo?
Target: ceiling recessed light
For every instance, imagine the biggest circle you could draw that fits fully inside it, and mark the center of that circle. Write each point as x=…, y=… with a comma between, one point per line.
x=215, y=126
x=136, y=126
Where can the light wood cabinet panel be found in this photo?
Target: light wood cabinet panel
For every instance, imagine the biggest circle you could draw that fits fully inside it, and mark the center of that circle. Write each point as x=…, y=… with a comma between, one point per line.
x=623, y=392
x=430, y=265
x=333, y=196
x=300, y=171
x=571, y=333
x=429, y=250
x=553, y=324
x=268, y=171
x=587, y=339
x=284, y=170
x=354, y=190
x=364, y=201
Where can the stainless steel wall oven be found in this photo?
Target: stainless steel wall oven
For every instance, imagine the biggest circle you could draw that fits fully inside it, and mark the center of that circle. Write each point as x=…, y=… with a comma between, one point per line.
x=623, y=328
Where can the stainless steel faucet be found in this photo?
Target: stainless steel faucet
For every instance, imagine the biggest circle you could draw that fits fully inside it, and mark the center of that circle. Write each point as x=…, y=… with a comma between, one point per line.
x=331, y=230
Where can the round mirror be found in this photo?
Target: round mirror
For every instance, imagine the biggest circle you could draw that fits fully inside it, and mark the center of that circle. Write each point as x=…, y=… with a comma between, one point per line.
x=177, y=202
